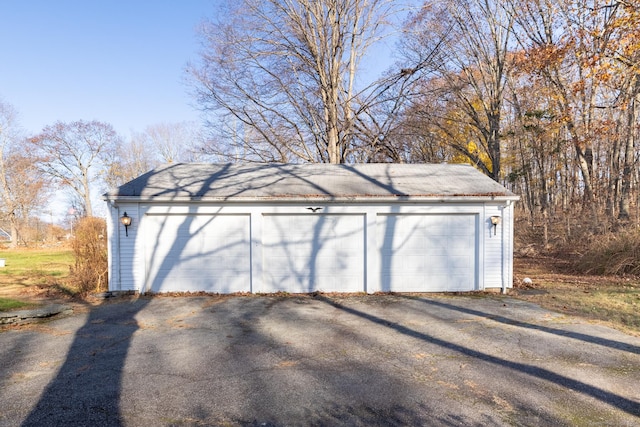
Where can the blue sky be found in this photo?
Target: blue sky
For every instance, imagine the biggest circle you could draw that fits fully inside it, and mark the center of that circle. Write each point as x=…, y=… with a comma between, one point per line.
x=117, y=61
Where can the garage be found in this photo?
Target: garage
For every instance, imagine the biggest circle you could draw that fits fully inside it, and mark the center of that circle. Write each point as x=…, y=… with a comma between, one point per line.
x=209, y=253
x=305, y=253
x=428, y=253
x=231, y=228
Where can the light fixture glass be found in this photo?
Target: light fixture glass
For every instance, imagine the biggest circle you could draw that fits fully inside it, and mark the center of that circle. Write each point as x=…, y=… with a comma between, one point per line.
x=126, y=221
x=495, y=220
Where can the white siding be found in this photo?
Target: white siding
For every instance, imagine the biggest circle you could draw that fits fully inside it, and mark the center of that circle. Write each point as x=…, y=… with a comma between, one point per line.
x=493, y=248
x=349, y=248
x=131, y=261
x=113, y=251
x=507, y=246
x=498, y=247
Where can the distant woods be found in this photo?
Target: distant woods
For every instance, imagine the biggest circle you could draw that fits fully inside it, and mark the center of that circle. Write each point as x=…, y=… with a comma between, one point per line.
x=540, y=95
x=79, y=160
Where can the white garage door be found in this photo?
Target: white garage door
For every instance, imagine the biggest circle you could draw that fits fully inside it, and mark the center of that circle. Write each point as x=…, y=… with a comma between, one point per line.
x=208, y=253
x=314, y=252
x=427, y=253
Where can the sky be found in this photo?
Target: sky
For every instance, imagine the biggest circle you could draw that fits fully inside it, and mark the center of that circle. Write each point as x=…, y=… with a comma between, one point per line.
x=117, y=61
x=120, y=62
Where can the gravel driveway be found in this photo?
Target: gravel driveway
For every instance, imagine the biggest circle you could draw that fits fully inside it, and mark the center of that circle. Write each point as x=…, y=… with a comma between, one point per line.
x=318, y=360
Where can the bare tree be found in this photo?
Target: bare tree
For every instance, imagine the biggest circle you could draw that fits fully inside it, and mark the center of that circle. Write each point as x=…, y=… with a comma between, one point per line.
x=621, y=63
x=157, y=144
x=136, y=157
x=73, y=154
x=22, y=186
x=26, y=190
x=8, y=133
x=172, y=142
x=586, y=54
x=470, y=41
x=281, y=77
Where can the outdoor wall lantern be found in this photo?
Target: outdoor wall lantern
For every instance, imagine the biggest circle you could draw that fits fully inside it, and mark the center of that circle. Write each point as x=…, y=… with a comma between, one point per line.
x=126, y=221
x=495, y=220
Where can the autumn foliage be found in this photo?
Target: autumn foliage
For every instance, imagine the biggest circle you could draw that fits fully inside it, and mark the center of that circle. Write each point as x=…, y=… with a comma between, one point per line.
x=541, y=95
x=90, y=249
x=564, y=110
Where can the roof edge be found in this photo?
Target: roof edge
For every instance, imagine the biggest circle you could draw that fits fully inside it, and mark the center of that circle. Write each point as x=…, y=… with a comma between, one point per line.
x=296, y=199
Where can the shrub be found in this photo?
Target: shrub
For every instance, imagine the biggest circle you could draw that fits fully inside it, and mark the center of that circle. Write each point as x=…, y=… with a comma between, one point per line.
x=90, y=249
x=612, y=254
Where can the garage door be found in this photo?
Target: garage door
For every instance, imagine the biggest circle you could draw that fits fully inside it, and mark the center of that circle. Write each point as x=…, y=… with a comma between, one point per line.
x=427, y=253
x=306, y=253
x=208, y=253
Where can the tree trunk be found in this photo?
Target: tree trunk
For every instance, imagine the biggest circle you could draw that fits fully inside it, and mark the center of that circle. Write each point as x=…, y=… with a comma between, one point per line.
x=494, y=146
x=13, y=224
x=614, y=180
x=583, y=158
x=629, y=160
x=87, y=194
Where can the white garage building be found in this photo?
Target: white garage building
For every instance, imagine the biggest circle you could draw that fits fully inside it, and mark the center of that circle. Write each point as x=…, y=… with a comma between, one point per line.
x=225, y=228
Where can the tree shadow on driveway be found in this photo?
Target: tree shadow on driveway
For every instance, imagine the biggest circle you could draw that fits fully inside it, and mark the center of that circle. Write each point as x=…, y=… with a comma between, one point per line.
x=605, y=342
x=269, y=361
x=87, y=388
x=627, y=405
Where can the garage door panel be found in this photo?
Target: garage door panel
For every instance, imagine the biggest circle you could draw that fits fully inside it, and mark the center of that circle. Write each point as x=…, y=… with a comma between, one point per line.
x=435, y=246
x=458, y=283
x=413, y=270
x=208, y=253
x=413, y=264
x=305, y=253
x=428, y=228
x=427, y=253
x=167, y=281
x=437, y=266
x=459, y=262
x=328, y=264
x=461, y=242
x=459, y=225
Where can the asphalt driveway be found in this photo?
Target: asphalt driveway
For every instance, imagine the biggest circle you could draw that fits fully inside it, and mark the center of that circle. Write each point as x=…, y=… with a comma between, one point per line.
x=318, y=360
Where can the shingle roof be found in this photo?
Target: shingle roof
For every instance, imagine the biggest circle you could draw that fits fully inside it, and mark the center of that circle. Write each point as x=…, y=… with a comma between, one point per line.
x=261, y=182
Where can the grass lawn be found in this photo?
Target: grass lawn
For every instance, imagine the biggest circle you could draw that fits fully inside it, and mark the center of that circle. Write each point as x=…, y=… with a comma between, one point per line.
x=7, y=304
x=607, y=299
x=31, y=274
